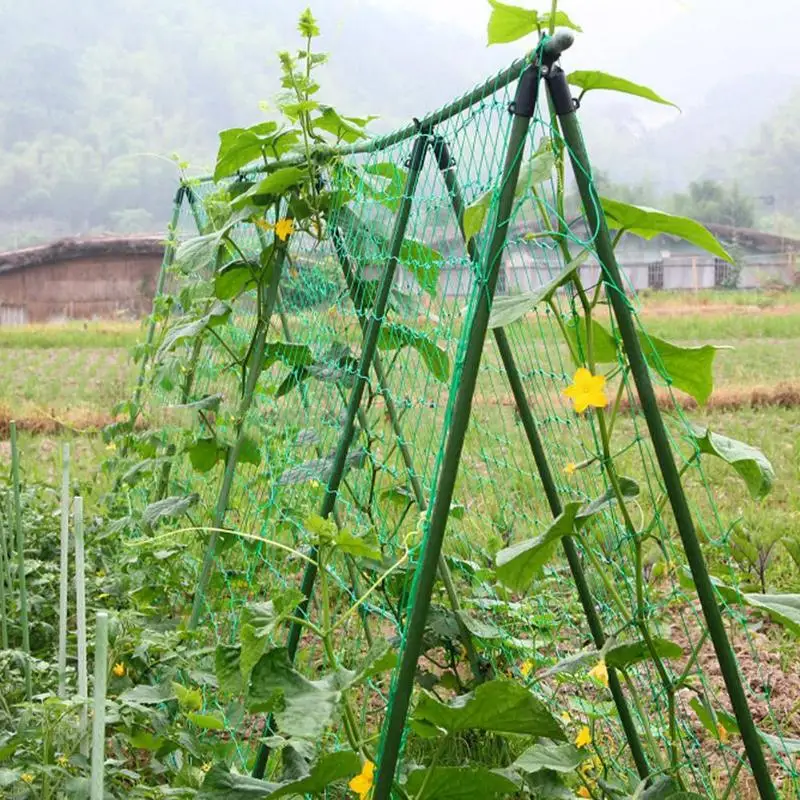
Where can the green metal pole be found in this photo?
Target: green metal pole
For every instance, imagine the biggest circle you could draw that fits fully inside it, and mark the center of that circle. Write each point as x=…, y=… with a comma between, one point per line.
x=63, y=597
x=447, y=169
x=268, y=296
x=522, y=109
x=413, y=478
x=565, y=108
x=21, y=578
x=99, y=720
x=3, y=608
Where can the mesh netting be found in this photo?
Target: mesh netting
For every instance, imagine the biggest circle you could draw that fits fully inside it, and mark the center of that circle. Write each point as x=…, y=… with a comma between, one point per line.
x=393, y=462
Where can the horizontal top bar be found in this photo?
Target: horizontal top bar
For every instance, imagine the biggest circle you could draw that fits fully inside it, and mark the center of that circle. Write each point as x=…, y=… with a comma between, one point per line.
x=551, y=48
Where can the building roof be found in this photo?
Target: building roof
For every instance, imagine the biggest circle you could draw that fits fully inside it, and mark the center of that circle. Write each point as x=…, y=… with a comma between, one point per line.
x=68, y=249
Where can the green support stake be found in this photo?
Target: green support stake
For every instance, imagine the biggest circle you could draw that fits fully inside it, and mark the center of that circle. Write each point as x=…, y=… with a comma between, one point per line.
x=63, y=596
x=3, y=571
x=80, y=622
x=99, y=719
x=425, y=576
x=268, y=296
x=368, y=349
x=447, y=169
x=565, y=108
x=21, y=578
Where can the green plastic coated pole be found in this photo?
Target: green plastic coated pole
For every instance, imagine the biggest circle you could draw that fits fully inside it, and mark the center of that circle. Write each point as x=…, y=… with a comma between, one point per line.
x=368, y=350
x=268, y=296
x=3, y=609
x=99, y=719
x=447, y=169
x=63, y=596
x=565, y=108
x=21, y=578
x=80, y=613
x=425, y=576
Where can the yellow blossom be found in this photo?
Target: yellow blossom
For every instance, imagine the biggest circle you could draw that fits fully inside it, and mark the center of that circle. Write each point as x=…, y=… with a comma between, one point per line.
x=62, y=761
x=584, y=792
x=27, y=777
x=111, y=446
x=284, y=228
x=206, y=767
x=570, y=469
x=587, y=390
x=584, y=737
x=526, y=668
x=723, y=733
x=565, y=717
x=362, y=783
x=119, y=669
x=600, y=672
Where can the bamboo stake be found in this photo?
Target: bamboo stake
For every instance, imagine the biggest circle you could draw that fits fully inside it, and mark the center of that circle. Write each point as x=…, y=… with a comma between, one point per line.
x=23, y=586
x=80, y=609
x=63, y=598
x=99, y=721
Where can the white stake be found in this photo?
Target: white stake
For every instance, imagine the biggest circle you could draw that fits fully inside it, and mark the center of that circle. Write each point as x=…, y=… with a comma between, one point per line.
x=80, y=609
x=64, y=594
x=99, y=722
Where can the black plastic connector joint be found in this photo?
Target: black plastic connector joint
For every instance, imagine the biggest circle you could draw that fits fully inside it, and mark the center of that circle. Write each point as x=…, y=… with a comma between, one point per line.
x=442, y=153
x=560, y=93
x=182, y=191
x=524, y=104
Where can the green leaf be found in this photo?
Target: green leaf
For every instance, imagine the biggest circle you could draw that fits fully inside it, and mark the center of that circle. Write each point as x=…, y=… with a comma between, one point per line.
x=319, y=469
x=689, y=369
x=205, y=453
x=508, y=309
x=330, y=768
x=519, y=564
x=358, y=546
x=498, y=706
x=228, y=670
x=290, y=353
x=423, y=262
x=218, y=315
x=188, y=699
x=546, y=755
x=475, y=215
x=232, y=280
x=782, y=608
x=604, y=345
x=391, y=194
x=458, y=783
x=249, y=451
x=239, y=146
x=8, y=777
x=509, y=23
x=302, y=708
x=538, y=168
x=381, y=657
x=629, y=489
x=343, y=130
x=593, y=79
x=276, y=183
x=561, y=21
x=209, y=402
x=393, y=337
x=751, y=464
x=175, y=506
x=649, y=222
x=198, y=252
x=624, y=655
x=258, y=623
x=146, y=695
x=208, y=722
x=222, y=784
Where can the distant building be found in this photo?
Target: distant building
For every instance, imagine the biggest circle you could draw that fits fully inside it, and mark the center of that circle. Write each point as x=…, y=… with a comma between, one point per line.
x=80, y=279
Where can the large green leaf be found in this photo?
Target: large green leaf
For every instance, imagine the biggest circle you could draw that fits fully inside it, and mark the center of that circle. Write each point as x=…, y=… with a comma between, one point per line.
x=689, y=369
x=621, y=656
x=519, y=564
x=302, y=708
x=458, y=783
x=475, y=215
x=207, y=722
x=198, y=252
x=537, y=169
x=146, y=695
x=240, y=146
x=222, y=784
x=276, y=183
x=342, y=128
x=358, y=546
x=393, y=337
x=319, y=469
x=218, y=314
x=423, y=262
x=593, y=79
x=381, y=657
x=782, y=608
x=561, y=20
x=391, y=193
x=232, y=280
x=249, y=451
x=209, y=402
x=510, y=308
x=509, y=23
x=175, y=506
x=604, y=345
x=227, y=667
x=498, y=706
x=330, y=768
x=547, y=755
x=205, y=453
x=649, y=222
x=751, y=464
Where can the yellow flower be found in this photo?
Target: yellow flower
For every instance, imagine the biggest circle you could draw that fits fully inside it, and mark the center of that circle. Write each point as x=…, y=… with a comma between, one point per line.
x=111, y=446
x=723, y=733
x=584, y=792
x=62, y=761
x=587, y=390
x=584, y=737
x=206, y=767
x=284, y=228
x=119, y=669
x=293, y=272
x=570, y=468
x=27, y=777
x=526, y=668
x=565, y=717
x=362, y=783
x=600, y=672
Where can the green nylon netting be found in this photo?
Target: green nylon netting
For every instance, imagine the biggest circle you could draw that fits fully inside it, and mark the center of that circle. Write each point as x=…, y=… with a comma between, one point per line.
x=498, y=492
